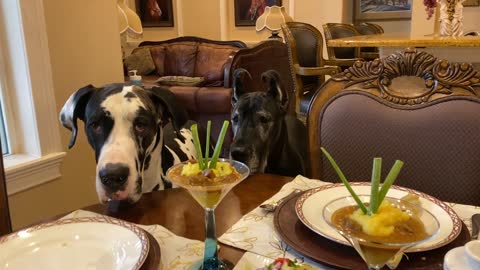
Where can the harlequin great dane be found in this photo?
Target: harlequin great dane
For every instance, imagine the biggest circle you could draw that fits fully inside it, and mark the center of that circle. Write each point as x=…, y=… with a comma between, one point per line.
x=128, y=127
x=266, y=138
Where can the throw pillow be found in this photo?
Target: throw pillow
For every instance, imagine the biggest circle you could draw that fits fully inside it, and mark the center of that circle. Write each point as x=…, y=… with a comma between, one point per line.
x=140, y=60
x=180, y=80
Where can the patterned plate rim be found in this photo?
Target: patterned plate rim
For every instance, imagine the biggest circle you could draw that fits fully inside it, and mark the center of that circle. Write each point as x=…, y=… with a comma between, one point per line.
x=140, y=233
x=457, y=222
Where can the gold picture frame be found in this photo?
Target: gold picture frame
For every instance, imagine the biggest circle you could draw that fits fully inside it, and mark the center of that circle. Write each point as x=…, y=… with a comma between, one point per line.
x=382, y=10
x=471, y=3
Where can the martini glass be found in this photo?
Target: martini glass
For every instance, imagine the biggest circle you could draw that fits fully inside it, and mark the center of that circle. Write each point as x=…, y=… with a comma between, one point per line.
x=209, y=195
x=377, y=252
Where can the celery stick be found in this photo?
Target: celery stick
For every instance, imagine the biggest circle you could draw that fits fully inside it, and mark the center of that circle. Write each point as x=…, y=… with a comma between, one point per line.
x=344, y=180
x=207, y=145
x=198, y=147
x=218, y=146
x=376, y=175
x=392, y=175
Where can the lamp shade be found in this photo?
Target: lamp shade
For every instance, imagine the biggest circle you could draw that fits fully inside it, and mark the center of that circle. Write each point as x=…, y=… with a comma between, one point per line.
x=272, y=19
x=128, y=20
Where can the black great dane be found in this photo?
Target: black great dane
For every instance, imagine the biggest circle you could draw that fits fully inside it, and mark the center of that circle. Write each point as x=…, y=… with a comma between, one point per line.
x=136, y=133
x=266, y=138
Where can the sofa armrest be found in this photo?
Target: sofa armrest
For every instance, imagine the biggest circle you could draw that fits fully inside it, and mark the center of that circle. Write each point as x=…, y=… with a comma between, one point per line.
x=226, y=71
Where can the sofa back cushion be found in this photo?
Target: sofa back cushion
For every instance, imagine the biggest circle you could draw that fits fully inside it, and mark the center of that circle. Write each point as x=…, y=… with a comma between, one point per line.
x=180, y=58
x=158, y=55
x=211, y=61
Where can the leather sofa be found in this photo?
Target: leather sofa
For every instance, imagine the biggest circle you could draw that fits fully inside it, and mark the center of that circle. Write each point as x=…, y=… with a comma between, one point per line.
x=196, y=57
x=215, y=61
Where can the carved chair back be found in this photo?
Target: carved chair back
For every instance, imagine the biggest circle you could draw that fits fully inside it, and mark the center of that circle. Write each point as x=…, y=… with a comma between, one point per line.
x=409, y=106
x=269, y=54
x=5, y=223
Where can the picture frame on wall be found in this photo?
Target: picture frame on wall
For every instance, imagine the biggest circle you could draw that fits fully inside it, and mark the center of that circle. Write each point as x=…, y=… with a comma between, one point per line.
x=248, y=11
x=382, y=10
x=155, y=13
x=471, y=3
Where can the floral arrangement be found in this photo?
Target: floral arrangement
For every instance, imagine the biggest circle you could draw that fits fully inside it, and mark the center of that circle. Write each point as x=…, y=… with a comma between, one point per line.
x=430, y=6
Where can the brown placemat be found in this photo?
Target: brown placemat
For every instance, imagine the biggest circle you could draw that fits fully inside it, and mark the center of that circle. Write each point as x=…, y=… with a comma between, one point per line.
x=152, y=262
x=320, y=249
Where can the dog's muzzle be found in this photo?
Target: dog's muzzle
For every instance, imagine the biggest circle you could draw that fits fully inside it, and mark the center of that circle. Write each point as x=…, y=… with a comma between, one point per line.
x=114, y=176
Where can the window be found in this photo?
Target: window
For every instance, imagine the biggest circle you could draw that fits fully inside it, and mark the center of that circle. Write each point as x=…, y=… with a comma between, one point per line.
x=3, y=131
x=29, y=122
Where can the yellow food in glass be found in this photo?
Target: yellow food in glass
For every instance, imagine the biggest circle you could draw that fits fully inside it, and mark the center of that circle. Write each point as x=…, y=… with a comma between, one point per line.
x=388, y=225
x=381, y=223
x=207, y=187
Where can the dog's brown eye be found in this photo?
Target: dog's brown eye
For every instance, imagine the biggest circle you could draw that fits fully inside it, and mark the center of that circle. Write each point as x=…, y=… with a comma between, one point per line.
x=96, y=127
x=140, y=128
x=235, y=119
x=263, y=119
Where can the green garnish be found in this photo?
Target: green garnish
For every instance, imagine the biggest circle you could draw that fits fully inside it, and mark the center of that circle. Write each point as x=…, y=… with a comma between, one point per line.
x=207, y=144
x=376, y=195
x=218, y=146
x=203, y=162
x=198, y=147
x=392, y=175
x=376, y=174
x=345, y=182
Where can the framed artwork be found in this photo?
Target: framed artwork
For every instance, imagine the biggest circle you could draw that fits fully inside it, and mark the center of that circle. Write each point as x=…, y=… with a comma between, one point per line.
x=155, y=13
x=247, y=11
x=382, y=9
x=471, y=3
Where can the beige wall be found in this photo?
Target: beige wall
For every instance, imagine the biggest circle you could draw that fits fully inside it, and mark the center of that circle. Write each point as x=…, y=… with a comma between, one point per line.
x=84, y=48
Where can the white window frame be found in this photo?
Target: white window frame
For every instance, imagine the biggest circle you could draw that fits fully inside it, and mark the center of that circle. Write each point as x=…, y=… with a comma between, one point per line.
x=30, y=107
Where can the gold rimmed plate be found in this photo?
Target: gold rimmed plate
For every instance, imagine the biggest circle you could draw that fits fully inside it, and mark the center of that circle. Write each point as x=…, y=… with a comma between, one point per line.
x=76, y=243
x=311, y=244
x=310, y=205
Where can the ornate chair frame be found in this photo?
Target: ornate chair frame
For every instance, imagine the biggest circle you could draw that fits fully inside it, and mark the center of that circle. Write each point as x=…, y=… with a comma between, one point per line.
x=405, y=80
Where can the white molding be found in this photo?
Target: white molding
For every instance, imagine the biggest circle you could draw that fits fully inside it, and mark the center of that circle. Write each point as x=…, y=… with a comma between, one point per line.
x=32, y=171
x=179, y=16
x=223, y=20
x=291, y=9
x=29, y=91
x=41, y=82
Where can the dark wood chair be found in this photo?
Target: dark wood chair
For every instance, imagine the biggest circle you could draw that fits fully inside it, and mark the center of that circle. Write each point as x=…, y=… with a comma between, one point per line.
x=369, y=53
x=269, y=54
x=306, y=63
x=5, y=223
x=341, y=30
x=409, y=106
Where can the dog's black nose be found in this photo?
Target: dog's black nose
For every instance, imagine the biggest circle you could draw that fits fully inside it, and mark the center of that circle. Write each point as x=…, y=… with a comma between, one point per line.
x=114, y=175
x=238, y=153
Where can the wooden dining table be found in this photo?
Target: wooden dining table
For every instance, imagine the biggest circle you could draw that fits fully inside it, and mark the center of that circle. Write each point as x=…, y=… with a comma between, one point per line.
x=177, y=211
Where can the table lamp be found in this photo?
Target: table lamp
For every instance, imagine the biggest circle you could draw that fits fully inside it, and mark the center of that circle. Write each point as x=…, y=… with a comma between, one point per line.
x=129, y=24
x=272, y=19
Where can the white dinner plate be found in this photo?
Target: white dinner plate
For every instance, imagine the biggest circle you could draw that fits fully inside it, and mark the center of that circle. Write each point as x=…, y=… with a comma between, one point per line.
x=91, y=243
x=309, y=208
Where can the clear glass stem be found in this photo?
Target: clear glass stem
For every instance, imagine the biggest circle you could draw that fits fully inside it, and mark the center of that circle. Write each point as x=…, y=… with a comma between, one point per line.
x=210, y=258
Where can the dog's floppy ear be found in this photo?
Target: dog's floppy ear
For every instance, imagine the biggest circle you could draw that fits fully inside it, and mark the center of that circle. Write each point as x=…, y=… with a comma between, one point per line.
x=170, y=109
x=238, y=86
x=272, y=79
x=74, y=108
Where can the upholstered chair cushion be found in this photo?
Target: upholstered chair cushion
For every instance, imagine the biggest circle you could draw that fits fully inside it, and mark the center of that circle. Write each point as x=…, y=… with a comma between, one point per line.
x=158, y=55
x=438, y=143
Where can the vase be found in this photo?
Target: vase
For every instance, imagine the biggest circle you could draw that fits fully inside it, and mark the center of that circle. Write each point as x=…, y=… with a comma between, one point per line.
x=450, y=18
